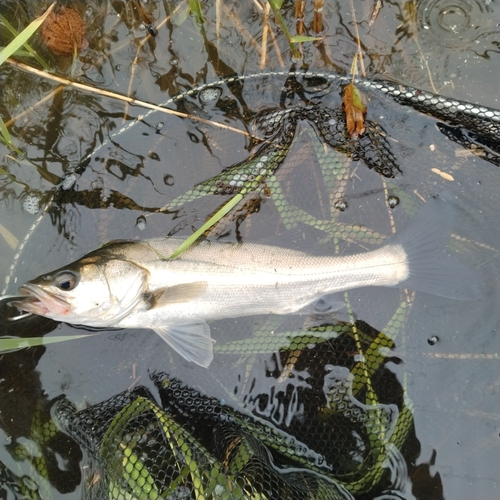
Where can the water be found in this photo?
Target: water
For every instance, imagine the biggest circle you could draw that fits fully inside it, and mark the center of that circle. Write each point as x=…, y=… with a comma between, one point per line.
x=447, y=45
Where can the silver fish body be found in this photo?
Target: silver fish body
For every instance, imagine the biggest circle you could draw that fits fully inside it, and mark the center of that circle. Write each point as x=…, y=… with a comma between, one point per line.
x=223, y=280
x=134, y=284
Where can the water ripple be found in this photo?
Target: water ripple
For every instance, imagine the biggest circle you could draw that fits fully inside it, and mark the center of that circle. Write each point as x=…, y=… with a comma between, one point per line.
x=454, y=23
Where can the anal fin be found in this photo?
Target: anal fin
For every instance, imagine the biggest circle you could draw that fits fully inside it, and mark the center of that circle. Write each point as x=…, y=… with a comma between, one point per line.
x=191, y=340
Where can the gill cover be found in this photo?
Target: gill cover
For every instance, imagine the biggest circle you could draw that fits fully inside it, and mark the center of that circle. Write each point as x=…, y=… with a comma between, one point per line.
x=99, y=291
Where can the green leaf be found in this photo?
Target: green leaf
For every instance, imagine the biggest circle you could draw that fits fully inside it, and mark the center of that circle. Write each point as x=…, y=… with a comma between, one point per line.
x=5, y=132
x=6, y=137
x=276, y=4
x=24, y=36
x=303, y=38
x=213, y=220
x=27, y=51
x=195, y=7
x=10, y=344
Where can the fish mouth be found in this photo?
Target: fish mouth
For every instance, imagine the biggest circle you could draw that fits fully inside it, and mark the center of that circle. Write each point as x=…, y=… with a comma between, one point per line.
x=40, y=302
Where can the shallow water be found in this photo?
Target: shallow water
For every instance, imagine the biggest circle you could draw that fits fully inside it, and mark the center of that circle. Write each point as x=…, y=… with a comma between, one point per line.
x=447, y=356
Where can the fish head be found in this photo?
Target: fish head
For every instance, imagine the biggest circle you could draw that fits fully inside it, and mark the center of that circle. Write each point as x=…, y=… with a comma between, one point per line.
x=93, y=291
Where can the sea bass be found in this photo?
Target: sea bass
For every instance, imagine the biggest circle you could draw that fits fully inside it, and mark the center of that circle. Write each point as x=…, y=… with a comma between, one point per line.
x=135, y=285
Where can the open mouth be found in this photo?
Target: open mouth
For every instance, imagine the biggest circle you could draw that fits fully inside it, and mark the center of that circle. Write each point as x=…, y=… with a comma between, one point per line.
x=40, y=302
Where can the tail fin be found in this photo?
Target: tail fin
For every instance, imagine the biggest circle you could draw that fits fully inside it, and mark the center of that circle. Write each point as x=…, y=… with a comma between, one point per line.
x=431, y=268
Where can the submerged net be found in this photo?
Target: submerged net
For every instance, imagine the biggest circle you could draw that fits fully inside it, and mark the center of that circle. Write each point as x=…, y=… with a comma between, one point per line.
x=308, y=412
x=195, y=446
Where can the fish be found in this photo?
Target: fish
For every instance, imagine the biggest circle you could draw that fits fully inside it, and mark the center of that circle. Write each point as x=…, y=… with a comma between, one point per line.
x=134, y=284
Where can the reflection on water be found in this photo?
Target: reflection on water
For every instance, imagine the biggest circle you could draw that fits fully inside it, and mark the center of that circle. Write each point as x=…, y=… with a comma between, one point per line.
x=368, y=401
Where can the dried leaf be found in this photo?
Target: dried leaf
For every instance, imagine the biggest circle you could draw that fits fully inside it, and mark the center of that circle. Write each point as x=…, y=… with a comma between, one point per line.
x=63, y=32
x=353, y=104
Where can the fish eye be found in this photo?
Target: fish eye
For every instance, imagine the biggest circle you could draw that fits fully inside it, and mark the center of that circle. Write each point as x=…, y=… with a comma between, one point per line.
x=66, y=280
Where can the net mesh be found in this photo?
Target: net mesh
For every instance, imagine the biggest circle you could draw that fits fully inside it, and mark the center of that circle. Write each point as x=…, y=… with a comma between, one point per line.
x=312, y=411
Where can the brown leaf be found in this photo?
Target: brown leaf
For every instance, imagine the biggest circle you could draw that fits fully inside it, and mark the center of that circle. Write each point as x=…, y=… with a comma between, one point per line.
x=64, y=31
x=353, y=104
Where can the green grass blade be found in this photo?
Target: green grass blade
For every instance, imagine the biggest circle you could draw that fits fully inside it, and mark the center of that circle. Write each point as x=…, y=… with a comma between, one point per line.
x=6, y=137
x=276, y=6
x=24, y=36
x=5, y=133
x=213, y=220
x=29, y=50
x=195, y=7
x=11, y=344
x=303, y=38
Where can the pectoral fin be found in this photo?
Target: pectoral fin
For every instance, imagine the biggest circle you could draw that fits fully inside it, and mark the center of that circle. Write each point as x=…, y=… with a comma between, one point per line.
x=191, y=340
x=177, y=293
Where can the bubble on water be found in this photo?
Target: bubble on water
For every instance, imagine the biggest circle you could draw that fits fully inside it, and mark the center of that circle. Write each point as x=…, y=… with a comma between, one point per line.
x=159, y=126
x=168, y=180
x=140, y=223
x=393, y=201
x=341, y=205
x=433, y=340
x=210, y=95
x=31, y=203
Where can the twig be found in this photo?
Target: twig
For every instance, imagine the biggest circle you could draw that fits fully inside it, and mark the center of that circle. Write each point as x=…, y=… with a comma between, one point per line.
x=359, y=53
x=136, y=59
x=114, y=95
x=265, y=31
x=276, y=47
x=241, y=28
